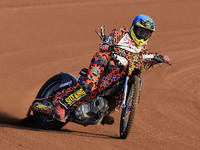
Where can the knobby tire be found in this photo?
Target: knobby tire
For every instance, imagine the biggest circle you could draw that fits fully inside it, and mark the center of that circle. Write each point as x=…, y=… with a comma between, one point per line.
x=40, y=120
x=132, y=98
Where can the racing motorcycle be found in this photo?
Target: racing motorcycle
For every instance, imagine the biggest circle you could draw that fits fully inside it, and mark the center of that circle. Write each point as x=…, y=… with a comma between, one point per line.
x=123, y=93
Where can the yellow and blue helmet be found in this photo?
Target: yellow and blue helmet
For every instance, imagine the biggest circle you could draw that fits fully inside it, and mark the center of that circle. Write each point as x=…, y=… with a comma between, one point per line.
x=141, y=29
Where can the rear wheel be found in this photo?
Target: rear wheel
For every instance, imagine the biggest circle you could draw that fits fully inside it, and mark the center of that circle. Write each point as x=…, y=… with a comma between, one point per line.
x=46, y=90
x=128, y=113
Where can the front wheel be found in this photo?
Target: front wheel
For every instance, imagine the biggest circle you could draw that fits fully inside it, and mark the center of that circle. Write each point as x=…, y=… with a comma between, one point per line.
x=128, y=113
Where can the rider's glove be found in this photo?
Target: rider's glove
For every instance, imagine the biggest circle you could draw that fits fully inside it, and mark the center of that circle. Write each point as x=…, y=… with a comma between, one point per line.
x=166, y=58
x=104, y=47
x=161, y=58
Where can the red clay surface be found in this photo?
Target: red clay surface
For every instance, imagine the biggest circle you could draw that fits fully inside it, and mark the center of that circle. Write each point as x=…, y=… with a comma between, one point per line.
x=39, y=39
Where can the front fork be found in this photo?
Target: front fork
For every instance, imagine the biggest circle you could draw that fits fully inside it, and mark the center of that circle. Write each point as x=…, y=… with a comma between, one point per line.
x=126, y=89
x=125, y=92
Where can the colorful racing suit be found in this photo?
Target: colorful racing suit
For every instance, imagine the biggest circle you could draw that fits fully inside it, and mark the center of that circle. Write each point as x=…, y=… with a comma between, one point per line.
x=103, y=63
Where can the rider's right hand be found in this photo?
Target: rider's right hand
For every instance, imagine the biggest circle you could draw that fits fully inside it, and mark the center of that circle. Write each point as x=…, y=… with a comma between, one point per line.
x=166, y=58
x=162, y=58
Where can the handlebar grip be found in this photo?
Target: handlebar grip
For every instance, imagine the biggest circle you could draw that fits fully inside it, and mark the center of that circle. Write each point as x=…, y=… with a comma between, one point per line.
x=166, y=62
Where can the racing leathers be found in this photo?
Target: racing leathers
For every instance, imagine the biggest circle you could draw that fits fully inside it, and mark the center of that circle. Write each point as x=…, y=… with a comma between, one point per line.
x=103, y=63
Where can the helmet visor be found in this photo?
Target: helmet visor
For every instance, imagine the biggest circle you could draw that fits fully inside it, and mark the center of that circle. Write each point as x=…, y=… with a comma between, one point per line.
x=142, y=33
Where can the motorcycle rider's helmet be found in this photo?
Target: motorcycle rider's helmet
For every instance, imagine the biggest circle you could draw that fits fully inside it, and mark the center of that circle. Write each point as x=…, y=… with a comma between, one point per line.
x=141, y=29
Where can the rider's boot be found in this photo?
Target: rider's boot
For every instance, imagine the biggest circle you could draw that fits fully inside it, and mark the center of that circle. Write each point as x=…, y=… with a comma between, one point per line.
x=59, y=113
x=108, y=119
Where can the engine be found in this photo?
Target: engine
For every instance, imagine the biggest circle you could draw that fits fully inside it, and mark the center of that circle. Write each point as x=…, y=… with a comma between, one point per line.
x=92, y=109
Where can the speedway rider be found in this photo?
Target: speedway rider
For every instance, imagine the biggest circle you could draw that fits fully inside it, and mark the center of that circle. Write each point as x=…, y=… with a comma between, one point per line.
x=103, y=63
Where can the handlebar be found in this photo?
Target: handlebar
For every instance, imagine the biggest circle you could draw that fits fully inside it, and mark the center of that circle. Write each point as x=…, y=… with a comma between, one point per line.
x=150, y=63
x=160, y=59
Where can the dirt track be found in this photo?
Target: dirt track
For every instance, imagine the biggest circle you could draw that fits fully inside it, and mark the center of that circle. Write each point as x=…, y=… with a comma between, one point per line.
x=41, y=39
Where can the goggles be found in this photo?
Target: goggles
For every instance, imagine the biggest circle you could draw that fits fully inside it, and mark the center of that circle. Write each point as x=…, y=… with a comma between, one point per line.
x=142, y=33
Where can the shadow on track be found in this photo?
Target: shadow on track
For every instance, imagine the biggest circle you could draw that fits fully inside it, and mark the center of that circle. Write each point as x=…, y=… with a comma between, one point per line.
x=7, y=120
x=10, y=121
x=88, y=134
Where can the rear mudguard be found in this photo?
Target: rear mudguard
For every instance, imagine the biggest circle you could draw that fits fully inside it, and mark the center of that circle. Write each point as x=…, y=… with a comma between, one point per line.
x=68, y=79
